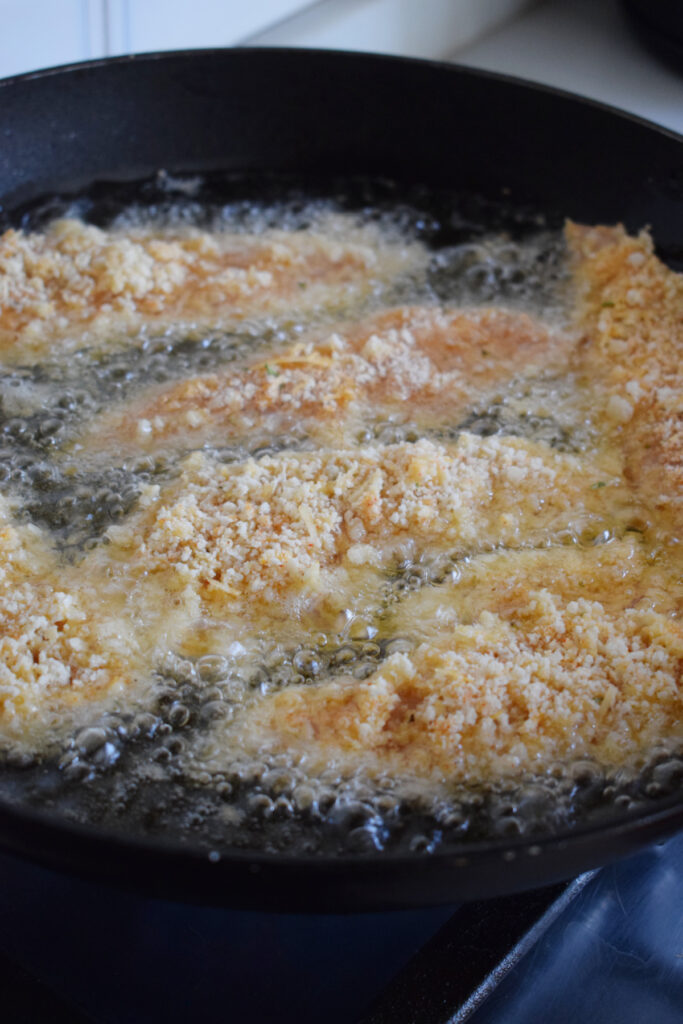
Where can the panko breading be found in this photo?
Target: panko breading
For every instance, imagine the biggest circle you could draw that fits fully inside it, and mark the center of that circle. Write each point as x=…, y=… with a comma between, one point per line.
x=522, y=673
x=546, y=623
x=76, y=284
x=54, y=656
x=495, y=696
x=619, y=574
x=291, y=530
x=528, y=656
x=632, y=313
x=431, y=364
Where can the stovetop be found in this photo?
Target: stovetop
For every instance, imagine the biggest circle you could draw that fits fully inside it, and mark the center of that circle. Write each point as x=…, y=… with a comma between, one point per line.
x=73, y=950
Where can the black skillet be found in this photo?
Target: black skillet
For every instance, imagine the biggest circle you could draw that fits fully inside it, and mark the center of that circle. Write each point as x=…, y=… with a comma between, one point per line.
x=324, y=114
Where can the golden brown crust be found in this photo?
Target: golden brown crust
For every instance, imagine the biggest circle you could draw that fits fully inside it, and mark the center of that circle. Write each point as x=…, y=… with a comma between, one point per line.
x=286, y=532
x=76, y=284
x=632, y=314
x=431, y=365
x=509, y=676
x=496, y=698
x=54, y=656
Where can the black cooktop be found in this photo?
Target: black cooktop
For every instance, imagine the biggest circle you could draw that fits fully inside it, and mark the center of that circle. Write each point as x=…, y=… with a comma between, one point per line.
x=607, y=947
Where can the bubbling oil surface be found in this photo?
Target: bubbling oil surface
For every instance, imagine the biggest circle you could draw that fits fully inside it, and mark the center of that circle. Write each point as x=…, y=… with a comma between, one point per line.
x=156, y=767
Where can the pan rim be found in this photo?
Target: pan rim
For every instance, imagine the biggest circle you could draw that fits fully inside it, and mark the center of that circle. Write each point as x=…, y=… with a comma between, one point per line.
x=664, y=817
x=153, y=56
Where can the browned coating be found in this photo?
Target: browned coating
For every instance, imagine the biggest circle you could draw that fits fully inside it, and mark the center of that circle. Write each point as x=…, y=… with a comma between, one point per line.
x=429, y=365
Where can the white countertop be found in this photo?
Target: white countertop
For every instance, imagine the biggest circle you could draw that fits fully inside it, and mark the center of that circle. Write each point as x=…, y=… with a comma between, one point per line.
x=586, y=47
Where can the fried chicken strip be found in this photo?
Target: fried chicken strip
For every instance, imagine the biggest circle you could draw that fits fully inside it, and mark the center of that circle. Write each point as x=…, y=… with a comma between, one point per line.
x=631, y=311
x=75, y=285
x=421, y=364
x=521, y=664
x=293, y=534
x=55, y=657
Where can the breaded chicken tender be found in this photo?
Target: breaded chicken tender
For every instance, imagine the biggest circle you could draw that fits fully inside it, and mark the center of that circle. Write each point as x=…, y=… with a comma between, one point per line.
x=507, y=677
x=495, y=697
x=75, y=285
x=631, y=310
x=54, y=656
x=294, y=531
x=431, y=365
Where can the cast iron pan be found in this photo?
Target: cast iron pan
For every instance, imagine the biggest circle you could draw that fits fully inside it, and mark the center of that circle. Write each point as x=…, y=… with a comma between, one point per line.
x=319, y=114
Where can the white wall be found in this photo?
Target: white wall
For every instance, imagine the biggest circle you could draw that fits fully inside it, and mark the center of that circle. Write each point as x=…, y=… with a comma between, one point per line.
x=140, y=25
x=40, y=33
x=419, y=28
x=43, y=33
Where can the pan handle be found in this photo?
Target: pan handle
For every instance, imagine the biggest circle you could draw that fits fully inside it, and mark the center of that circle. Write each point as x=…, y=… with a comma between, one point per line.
x=451, y=976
